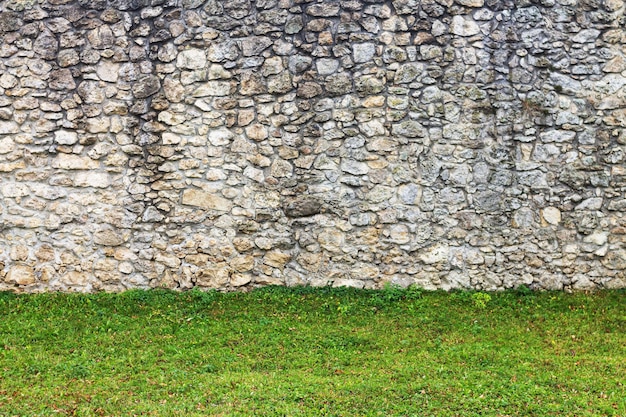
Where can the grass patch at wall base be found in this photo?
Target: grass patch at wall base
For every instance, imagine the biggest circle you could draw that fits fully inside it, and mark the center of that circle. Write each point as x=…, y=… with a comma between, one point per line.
x=313, y=352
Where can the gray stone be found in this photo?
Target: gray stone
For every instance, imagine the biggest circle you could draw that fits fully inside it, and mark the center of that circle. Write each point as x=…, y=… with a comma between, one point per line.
x=302, y=207
x=191, y=59
x=408, y=73
x=101, y=37
x=586, y=35
x=363, y=52
x=253, y=46
x=323, y=10
x=146, y=86
x=338, y=84
x=464, y=27
x=108, y=71
x=409, y=128
x=46, y=45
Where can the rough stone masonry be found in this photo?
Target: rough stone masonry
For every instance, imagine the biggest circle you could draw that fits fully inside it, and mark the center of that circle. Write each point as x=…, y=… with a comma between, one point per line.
x=234, y=144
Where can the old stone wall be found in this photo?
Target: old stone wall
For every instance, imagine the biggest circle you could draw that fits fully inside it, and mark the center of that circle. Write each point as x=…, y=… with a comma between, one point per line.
x=232, y=144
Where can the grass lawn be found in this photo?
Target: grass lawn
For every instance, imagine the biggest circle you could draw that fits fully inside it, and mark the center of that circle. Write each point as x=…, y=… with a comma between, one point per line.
x=313, y=352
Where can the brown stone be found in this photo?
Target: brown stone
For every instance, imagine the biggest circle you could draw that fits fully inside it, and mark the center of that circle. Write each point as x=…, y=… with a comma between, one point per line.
x=21, y=275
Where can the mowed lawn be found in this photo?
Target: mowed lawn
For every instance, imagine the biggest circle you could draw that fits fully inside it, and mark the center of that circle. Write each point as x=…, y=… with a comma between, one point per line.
x=313, y=352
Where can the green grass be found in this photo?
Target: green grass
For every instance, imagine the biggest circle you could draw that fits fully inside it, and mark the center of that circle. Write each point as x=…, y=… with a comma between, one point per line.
x=313, y=352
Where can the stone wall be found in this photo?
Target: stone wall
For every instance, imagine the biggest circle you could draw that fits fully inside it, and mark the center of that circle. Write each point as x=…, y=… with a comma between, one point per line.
x=237, y=143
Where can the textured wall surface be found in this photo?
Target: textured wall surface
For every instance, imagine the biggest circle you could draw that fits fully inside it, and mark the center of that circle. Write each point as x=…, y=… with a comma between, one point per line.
x=231, y=144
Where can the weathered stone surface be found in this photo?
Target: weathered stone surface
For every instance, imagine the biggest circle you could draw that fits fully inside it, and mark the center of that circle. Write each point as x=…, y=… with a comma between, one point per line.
x=363, y=52
x=108, y=71
x=257, y=132
x=75, y=279
x=551, y=215
x=213, y=277
x=108, y=238
x=92, y=179
x=463, y=27
x=448, y=144
x=191, y=59
x=101, y=37
x=146, y=86
x=205, y=200
x=437, y=253
x=331, y=240
x=21, y=275
x=71, y=161
x=302, y=207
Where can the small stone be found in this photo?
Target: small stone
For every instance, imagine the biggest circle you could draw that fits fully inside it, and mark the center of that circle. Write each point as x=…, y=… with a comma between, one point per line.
x=21, y=275
x=7, y=128
x=91, y=92
x=279, y=83
x=168, y=259
x=409, y=128
x=220, y=137
x=8, y=81
x=212, y=88
x=338, y=84
x=101, y=37
x=408, y=73
x=255, y=45
x=92, y=179
x=168, y=53
x=597, y=238
x=173, y=90
x=68, y=58
x=309, y=90
x=331, y=240
x=13, y=190
x=594, y=203
x=551, y=215
x=65, y=137
x=464, y=27
x=252, y=84
x=239, y=280
x=471, y=3
x=354, y=167
x=586, y=35
x=46, y=45
x=294, y=25
x=257, y=132
x=323, y=10
x=242, y=263
x=399, y=234
x=191, y=59
x=7, y=145
x=108, y=237
x=409, y=194
x=363, y=52
x=205, y=200
x=281, y=168
x=146, y=86
x=326, y=66
x=216, y=276
x=437, y=253
x=277, y=259
x=254, y=174
x=61, y=79
x=108, y=71
x=71, y=161
x=302, y=207
x=152, y=215
x=75, y=279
